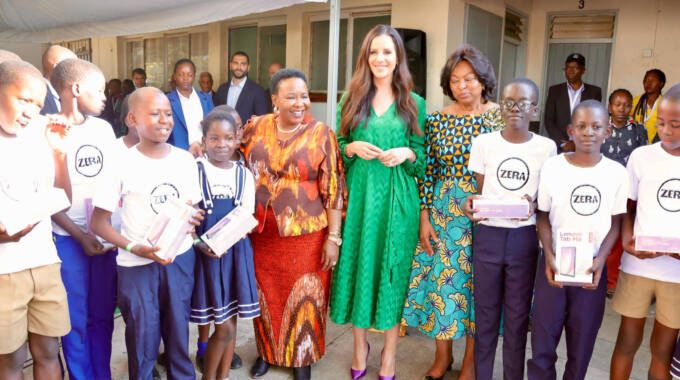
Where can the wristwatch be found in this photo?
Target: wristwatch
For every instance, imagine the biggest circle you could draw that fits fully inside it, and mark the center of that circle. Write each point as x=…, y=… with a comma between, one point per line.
x=335, y=238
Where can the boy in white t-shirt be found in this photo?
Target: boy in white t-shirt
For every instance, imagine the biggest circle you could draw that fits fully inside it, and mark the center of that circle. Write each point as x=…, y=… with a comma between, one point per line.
x=584, y=192
x=153, y=294
x=653, y=210
x=88, y=270
x=506, y=165
x=33, y=304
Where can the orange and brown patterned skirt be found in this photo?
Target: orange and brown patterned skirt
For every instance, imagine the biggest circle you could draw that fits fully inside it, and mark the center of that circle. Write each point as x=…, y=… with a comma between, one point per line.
x=293, y=293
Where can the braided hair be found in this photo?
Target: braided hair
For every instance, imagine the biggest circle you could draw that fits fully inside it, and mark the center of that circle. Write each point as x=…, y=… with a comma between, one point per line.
x=641, y=106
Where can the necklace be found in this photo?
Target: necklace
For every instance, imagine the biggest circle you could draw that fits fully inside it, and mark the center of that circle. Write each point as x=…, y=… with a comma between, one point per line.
x=278, y=127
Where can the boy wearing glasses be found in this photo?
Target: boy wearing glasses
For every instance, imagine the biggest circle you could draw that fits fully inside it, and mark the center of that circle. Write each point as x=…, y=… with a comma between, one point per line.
x=506, y=164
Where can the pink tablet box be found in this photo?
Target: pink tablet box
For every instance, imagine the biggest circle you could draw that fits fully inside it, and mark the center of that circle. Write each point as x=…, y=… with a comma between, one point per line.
x=661, y=244
x=501, y=208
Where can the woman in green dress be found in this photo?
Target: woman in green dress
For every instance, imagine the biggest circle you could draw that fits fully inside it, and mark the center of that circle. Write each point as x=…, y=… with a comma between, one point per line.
x=382, y=143
x=440, y=302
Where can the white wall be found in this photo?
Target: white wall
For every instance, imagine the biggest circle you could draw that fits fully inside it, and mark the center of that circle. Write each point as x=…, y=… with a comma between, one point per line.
x=641, y=25
x=29, y=52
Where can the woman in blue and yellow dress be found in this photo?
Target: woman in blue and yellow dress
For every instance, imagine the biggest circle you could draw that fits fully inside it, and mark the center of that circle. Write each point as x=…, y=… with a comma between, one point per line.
x=439, y=301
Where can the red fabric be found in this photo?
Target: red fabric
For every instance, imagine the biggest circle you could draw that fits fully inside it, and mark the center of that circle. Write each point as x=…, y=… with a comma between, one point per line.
x=293, y=294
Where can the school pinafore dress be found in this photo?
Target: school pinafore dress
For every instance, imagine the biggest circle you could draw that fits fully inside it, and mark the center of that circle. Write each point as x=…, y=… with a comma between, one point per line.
x=224, y=287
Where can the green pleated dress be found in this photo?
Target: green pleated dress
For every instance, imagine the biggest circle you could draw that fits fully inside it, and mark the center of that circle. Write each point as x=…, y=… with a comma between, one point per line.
x=380, y=231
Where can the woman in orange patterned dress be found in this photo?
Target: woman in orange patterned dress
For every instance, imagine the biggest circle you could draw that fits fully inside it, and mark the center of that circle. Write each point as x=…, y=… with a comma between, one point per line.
x=299, y=187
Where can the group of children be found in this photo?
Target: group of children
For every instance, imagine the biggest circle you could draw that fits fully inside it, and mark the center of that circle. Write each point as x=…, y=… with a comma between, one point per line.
x=116, y=189
x=105, y=260
x=588, y=190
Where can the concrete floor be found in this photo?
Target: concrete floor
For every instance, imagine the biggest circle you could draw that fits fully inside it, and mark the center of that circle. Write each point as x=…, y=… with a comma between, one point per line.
x=414, y=354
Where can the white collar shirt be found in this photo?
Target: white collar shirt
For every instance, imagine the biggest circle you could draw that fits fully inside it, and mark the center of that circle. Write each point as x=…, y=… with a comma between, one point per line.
x=235, y=91
x=574, y=96
x=193, y=114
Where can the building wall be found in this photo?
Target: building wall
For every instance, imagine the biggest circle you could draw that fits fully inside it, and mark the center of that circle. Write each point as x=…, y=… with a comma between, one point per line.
x=29, y=52
x=642, y=27
x=644, y=37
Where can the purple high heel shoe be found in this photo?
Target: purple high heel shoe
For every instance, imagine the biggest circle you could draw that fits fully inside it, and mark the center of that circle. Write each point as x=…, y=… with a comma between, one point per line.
x=358, y=374
x=381, y=377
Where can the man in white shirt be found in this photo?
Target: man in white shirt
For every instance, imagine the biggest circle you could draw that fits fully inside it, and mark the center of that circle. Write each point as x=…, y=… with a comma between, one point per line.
x=246, y=96
x=188, y=108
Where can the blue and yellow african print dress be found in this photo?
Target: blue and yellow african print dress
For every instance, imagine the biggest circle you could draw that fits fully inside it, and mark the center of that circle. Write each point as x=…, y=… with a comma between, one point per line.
x=439, y=301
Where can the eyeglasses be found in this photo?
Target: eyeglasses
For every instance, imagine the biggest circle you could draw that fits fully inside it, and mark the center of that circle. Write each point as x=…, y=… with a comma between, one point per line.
x=467, y=81
x=522, y=105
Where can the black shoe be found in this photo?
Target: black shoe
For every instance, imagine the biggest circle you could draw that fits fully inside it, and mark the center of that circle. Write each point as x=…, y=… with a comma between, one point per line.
x=161, y=360
x=236, y=361
x=155, y=374
x=200, y=361
x=259, y=369
x=302, y=373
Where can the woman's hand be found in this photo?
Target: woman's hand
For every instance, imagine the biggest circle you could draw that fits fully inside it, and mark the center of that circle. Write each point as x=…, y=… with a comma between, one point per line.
x=149, y=253
x=365, y=151
x=196, y=149
x=551, y=269
x=427, y=234
x=396, y=156
x=629, y=246
x=329, y=256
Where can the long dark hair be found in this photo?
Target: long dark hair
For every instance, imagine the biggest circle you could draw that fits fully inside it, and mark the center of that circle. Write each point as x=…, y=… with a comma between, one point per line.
x=361, y=90
x=641, y=106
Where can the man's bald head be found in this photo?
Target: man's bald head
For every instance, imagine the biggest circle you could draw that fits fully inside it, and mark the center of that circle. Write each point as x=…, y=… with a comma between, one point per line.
x=6, y=55
x=52, y=56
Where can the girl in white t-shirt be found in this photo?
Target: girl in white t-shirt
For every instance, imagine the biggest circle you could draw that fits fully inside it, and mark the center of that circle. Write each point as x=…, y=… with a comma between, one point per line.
x=225, y=286
x=653, y=211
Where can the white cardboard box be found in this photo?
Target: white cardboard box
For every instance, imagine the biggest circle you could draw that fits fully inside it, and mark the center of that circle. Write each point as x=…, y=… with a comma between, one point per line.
x=229, y=230
x=574, y=252
x=17, y=215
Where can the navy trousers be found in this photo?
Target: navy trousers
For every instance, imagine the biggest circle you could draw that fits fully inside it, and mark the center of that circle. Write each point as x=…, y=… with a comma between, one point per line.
x=90, y=283
x=576, y=310
x=504, y=264
x=155, y=302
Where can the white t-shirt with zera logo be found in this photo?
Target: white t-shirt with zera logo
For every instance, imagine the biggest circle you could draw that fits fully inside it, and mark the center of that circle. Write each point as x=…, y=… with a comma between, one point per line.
x=655, y=185
x=90, y=152
x=510, y=170
x=582, y=199
x=144, y=185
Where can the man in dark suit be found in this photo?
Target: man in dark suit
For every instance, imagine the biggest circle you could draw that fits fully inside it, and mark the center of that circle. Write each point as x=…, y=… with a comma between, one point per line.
x=564, y=97
x=246, y=96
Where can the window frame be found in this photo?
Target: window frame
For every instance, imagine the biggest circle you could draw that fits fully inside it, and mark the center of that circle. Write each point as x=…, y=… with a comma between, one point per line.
x=127, y=59
x=350, y=15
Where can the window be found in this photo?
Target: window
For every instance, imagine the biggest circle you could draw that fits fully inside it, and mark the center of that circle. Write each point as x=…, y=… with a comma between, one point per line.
x=264, y=46
x=484, y=30
x=82, y=48
x=158, y=56
x=318, y=70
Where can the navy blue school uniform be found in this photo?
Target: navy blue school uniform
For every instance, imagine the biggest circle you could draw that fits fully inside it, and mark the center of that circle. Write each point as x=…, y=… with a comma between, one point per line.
x=505, y=251
x=90, y=281
x=224, y=287
x=577, y=199
x=154, y=300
